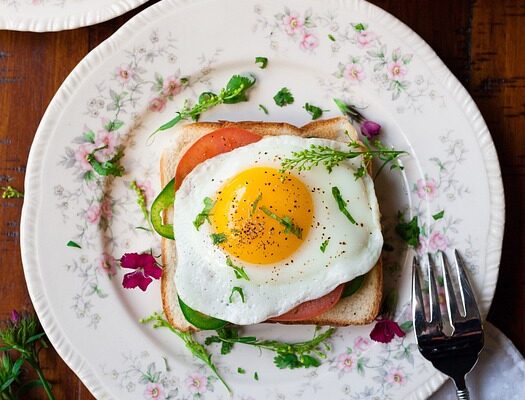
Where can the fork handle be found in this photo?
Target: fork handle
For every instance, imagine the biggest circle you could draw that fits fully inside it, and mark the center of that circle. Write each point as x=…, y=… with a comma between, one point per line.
x=462, y=394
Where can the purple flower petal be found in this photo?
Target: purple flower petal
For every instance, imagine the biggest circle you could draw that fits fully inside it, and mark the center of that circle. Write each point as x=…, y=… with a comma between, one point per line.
x=370, y=129
x=130, y=260
x=136, y=279
x=385, y=330
x=153, y=270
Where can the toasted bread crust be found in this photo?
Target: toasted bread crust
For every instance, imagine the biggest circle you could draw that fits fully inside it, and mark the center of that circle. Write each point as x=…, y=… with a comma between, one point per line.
x=358, y=309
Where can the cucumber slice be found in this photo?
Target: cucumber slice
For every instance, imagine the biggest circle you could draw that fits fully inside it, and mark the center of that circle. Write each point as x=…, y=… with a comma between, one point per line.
x=200, y=320
x=164, y=200
x=353, y=286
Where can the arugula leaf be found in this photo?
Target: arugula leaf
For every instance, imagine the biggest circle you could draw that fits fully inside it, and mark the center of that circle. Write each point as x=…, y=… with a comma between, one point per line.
x=255, y=203
x=236, y=289
x=314, y=111
x=197, y=349
x=263, y=109
x=106, y=168
x=408, y=231
x=235, y=91
x=324, y=245
x=227, y=333
x=286, y=221
x=342, y=204
x=439, y=215
x=218, y=238
x=204, y=215
x=240, y=273
x=263, y=61
x=9, y=192
x=283, y=97
x=287, y=355
x=73, y=244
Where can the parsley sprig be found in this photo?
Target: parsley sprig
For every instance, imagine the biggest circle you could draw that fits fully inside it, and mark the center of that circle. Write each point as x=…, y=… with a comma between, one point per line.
x=283, y=97
x=235, y=91
x=330, y=158
x=408, y=231
x=197, y=349
x=288, y=355
x=287, y=222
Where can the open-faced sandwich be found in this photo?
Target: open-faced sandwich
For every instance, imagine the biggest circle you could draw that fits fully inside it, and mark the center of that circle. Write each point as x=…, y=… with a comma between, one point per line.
x=263, y=233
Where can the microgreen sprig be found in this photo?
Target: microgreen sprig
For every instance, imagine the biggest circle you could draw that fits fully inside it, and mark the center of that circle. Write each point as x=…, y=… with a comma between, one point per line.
x=9, y=192
x=141, y=199
x=288, y=355
x=289, y=225
x=197, y=349
x=235, y=91
x=330, y=158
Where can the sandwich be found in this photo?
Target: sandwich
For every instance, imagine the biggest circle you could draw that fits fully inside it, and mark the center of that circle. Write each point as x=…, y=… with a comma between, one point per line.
x=258, y=238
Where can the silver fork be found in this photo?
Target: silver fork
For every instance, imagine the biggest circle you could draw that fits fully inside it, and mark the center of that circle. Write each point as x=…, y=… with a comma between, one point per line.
x=455, y=355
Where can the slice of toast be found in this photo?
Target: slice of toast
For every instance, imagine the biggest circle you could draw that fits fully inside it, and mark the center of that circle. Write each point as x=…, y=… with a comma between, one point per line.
x=359, y=309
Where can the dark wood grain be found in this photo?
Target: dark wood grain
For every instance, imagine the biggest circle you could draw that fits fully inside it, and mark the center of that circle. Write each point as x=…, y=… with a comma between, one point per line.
x=482, y=42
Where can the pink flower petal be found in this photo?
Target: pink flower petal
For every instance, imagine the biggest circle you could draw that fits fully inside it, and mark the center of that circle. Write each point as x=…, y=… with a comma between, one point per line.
x=136, y=279
x=385, y=330
x=153, y=270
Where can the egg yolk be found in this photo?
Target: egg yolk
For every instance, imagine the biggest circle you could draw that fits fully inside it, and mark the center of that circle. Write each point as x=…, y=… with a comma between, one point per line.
x=265, y=215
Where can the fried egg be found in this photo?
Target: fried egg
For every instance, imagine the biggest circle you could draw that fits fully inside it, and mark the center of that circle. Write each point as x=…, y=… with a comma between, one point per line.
x=271, y=226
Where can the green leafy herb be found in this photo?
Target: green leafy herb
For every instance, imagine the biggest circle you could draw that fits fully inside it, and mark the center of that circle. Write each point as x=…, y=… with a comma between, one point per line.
x=330, y=158
x=241, y=370
x=287, y=355
x=406, y=326
x=197, y=349
x=236, y=289
x=283, y=97
x=240, y=273
x=235, y=91
x=349, y=111
x=106, y=168
x=408, y=231
x=314, y=111
x=263, y=109
x=353, y=286
x=255, y=203
x=341, y=203
x=286, y=221
x=324, y=245
x=227, y=333
x=439, y=215
x=73, y=244
x=218, y=238
x=331, y=37
x=256, y=376
x=141, y=199
x=23, y=336
x=204, y=215
x=263, y=61
x=9, y=192
x=359, y=27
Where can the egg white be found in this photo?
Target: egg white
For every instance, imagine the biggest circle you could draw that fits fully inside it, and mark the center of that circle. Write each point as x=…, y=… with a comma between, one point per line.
x=205, y=282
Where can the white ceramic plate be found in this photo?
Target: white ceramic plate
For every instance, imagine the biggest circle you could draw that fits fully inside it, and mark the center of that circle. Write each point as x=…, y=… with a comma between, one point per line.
x=58, y=15
x=128, y=86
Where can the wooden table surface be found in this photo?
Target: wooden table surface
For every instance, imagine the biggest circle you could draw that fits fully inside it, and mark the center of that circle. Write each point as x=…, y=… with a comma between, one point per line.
x=481, y=41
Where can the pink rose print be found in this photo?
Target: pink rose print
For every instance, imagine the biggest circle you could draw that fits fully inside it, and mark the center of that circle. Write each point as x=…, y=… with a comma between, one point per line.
x=107, y=264
x=172, y=86
x=364, y=38
x=123, y=74
x=196, y=383
x=423, y=245
x=354, y=72
x=154, y=391
x=81, y=156
x=309, y=41
x=396, y=376
x=437, y=241
x=146, y=188
x=106, y=209
x=93, y=214
x=346, y=362
x=361, y=344
x=293, y=23
x=396, y=70
x=157, y=104
x=426, y=189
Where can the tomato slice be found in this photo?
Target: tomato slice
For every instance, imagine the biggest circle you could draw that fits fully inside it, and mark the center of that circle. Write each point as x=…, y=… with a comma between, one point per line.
x=312, y=308
x=217, y=142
